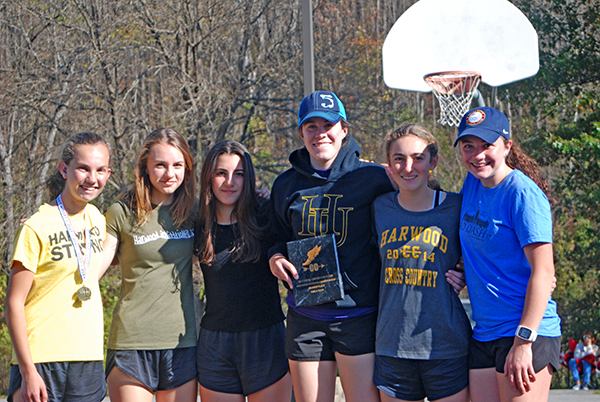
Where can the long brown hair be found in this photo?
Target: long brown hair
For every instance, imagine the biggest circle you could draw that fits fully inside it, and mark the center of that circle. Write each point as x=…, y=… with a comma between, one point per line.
x=56, y=182
x=517, y=159
x=422, y=133
x=248, y=232
x=139, y=198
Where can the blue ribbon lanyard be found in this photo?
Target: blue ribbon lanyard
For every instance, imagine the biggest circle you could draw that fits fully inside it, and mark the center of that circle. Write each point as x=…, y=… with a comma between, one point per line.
x=83, y=264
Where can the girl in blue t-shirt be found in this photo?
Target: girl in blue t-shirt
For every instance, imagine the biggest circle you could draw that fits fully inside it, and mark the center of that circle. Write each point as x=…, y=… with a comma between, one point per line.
x=506, y=238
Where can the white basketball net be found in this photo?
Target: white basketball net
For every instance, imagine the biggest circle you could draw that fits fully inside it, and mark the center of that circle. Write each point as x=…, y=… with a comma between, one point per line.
x=454, y=91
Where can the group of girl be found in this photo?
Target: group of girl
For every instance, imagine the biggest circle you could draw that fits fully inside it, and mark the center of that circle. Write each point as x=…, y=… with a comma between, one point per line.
x=399, y=334
x=54, y=308
x=501, y=224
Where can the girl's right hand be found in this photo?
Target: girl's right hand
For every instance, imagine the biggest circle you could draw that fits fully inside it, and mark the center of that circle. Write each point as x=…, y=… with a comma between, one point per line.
x=390, y=176
x=283, y=269
x=33, y=388
x=518, y=366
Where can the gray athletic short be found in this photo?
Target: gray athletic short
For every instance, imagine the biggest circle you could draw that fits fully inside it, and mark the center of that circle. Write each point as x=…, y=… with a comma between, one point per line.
x=158, y=370
x=546, y=350
x=66, y=381
x=308, y=339
x=242, y=362
x=413, y=380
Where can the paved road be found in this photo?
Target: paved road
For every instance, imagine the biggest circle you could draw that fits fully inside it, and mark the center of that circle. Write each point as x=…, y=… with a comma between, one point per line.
x=568, y=395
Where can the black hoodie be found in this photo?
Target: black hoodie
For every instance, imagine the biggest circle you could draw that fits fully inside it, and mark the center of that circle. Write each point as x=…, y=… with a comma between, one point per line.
x=305, y=204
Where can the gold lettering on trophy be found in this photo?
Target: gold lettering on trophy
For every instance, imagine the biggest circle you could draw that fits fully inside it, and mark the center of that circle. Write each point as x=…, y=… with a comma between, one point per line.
x=312, y=254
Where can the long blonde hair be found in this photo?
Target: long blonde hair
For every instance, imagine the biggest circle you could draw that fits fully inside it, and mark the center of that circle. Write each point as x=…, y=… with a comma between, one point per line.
x=139, y=198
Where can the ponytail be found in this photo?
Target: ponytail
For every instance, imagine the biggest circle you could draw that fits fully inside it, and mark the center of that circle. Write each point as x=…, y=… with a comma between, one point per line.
x=56, y=182
x=517, y=159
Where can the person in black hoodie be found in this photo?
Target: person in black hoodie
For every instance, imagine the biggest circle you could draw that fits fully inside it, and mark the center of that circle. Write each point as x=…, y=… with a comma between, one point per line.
x=330, y=190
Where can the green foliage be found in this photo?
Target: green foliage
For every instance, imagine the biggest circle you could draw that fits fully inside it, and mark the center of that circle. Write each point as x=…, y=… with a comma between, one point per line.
x=449, y=172
x=561, y=379
x=576, y=147
x=558, y=124
x=569, y=54
x=110, y=286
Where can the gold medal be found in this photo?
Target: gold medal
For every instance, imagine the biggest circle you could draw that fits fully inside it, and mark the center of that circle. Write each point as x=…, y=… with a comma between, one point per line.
x=84, y=293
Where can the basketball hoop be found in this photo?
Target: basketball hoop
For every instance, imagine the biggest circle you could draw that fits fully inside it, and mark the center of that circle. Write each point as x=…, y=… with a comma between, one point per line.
x=454, y=91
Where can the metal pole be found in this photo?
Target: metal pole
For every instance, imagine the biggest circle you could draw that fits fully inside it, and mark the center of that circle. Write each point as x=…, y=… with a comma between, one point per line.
x=477, y=100
x=308, y=47
x=494, y=96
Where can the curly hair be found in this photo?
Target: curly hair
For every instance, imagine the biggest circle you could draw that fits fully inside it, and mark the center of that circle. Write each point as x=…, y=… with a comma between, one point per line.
x=517, y=159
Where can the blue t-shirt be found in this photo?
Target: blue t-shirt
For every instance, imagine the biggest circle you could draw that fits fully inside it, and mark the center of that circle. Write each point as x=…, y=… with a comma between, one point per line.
x=496, y=223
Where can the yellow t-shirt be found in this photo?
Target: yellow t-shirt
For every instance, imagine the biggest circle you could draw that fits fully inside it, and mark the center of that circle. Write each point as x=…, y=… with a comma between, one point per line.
x=60, y=327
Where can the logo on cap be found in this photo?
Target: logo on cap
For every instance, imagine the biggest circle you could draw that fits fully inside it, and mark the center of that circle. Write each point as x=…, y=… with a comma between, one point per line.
x=475, y=117
x=330, y=102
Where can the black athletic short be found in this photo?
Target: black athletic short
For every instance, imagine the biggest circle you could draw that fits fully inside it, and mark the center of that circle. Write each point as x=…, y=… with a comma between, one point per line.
x=241, y=362
x=158, y=370
x=308, y=339
x=413, y=380
x=546, y=350
x=66, y=381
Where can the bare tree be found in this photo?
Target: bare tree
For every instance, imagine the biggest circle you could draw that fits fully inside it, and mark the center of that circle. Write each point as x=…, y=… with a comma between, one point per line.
x=212, y=70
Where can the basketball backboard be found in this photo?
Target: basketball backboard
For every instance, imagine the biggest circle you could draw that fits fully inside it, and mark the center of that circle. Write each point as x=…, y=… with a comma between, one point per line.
x=491, y=37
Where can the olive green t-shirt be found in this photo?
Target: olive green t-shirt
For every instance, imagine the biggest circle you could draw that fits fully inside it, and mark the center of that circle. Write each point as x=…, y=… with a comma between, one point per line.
x=156, y=305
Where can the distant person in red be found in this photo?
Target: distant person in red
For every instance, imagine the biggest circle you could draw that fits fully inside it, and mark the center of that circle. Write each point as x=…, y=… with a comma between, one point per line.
x=585, y=352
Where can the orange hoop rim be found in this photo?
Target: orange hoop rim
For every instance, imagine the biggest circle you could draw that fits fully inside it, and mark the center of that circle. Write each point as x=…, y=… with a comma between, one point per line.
x=453, y=82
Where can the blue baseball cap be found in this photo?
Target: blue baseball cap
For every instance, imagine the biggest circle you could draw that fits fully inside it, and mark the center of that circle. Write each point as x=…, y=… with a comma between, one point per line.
x=487, y=123
x=321, y=104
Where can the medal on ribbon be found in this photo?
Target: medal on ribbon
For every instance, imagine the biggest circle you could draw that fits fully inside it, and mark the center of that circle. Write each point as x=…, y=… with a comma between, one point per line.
x=83, y=293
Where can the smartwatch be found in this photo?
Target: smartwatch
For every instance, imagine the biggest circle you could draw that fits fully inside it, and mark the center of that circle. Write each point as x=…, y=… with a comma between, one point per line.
x=527, y=334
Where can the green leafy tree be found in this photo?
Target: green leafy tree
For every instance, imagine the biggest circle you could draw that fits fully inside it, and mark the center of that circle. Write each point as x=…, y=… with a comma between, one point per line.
x=577, y=149
x=557, y=116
